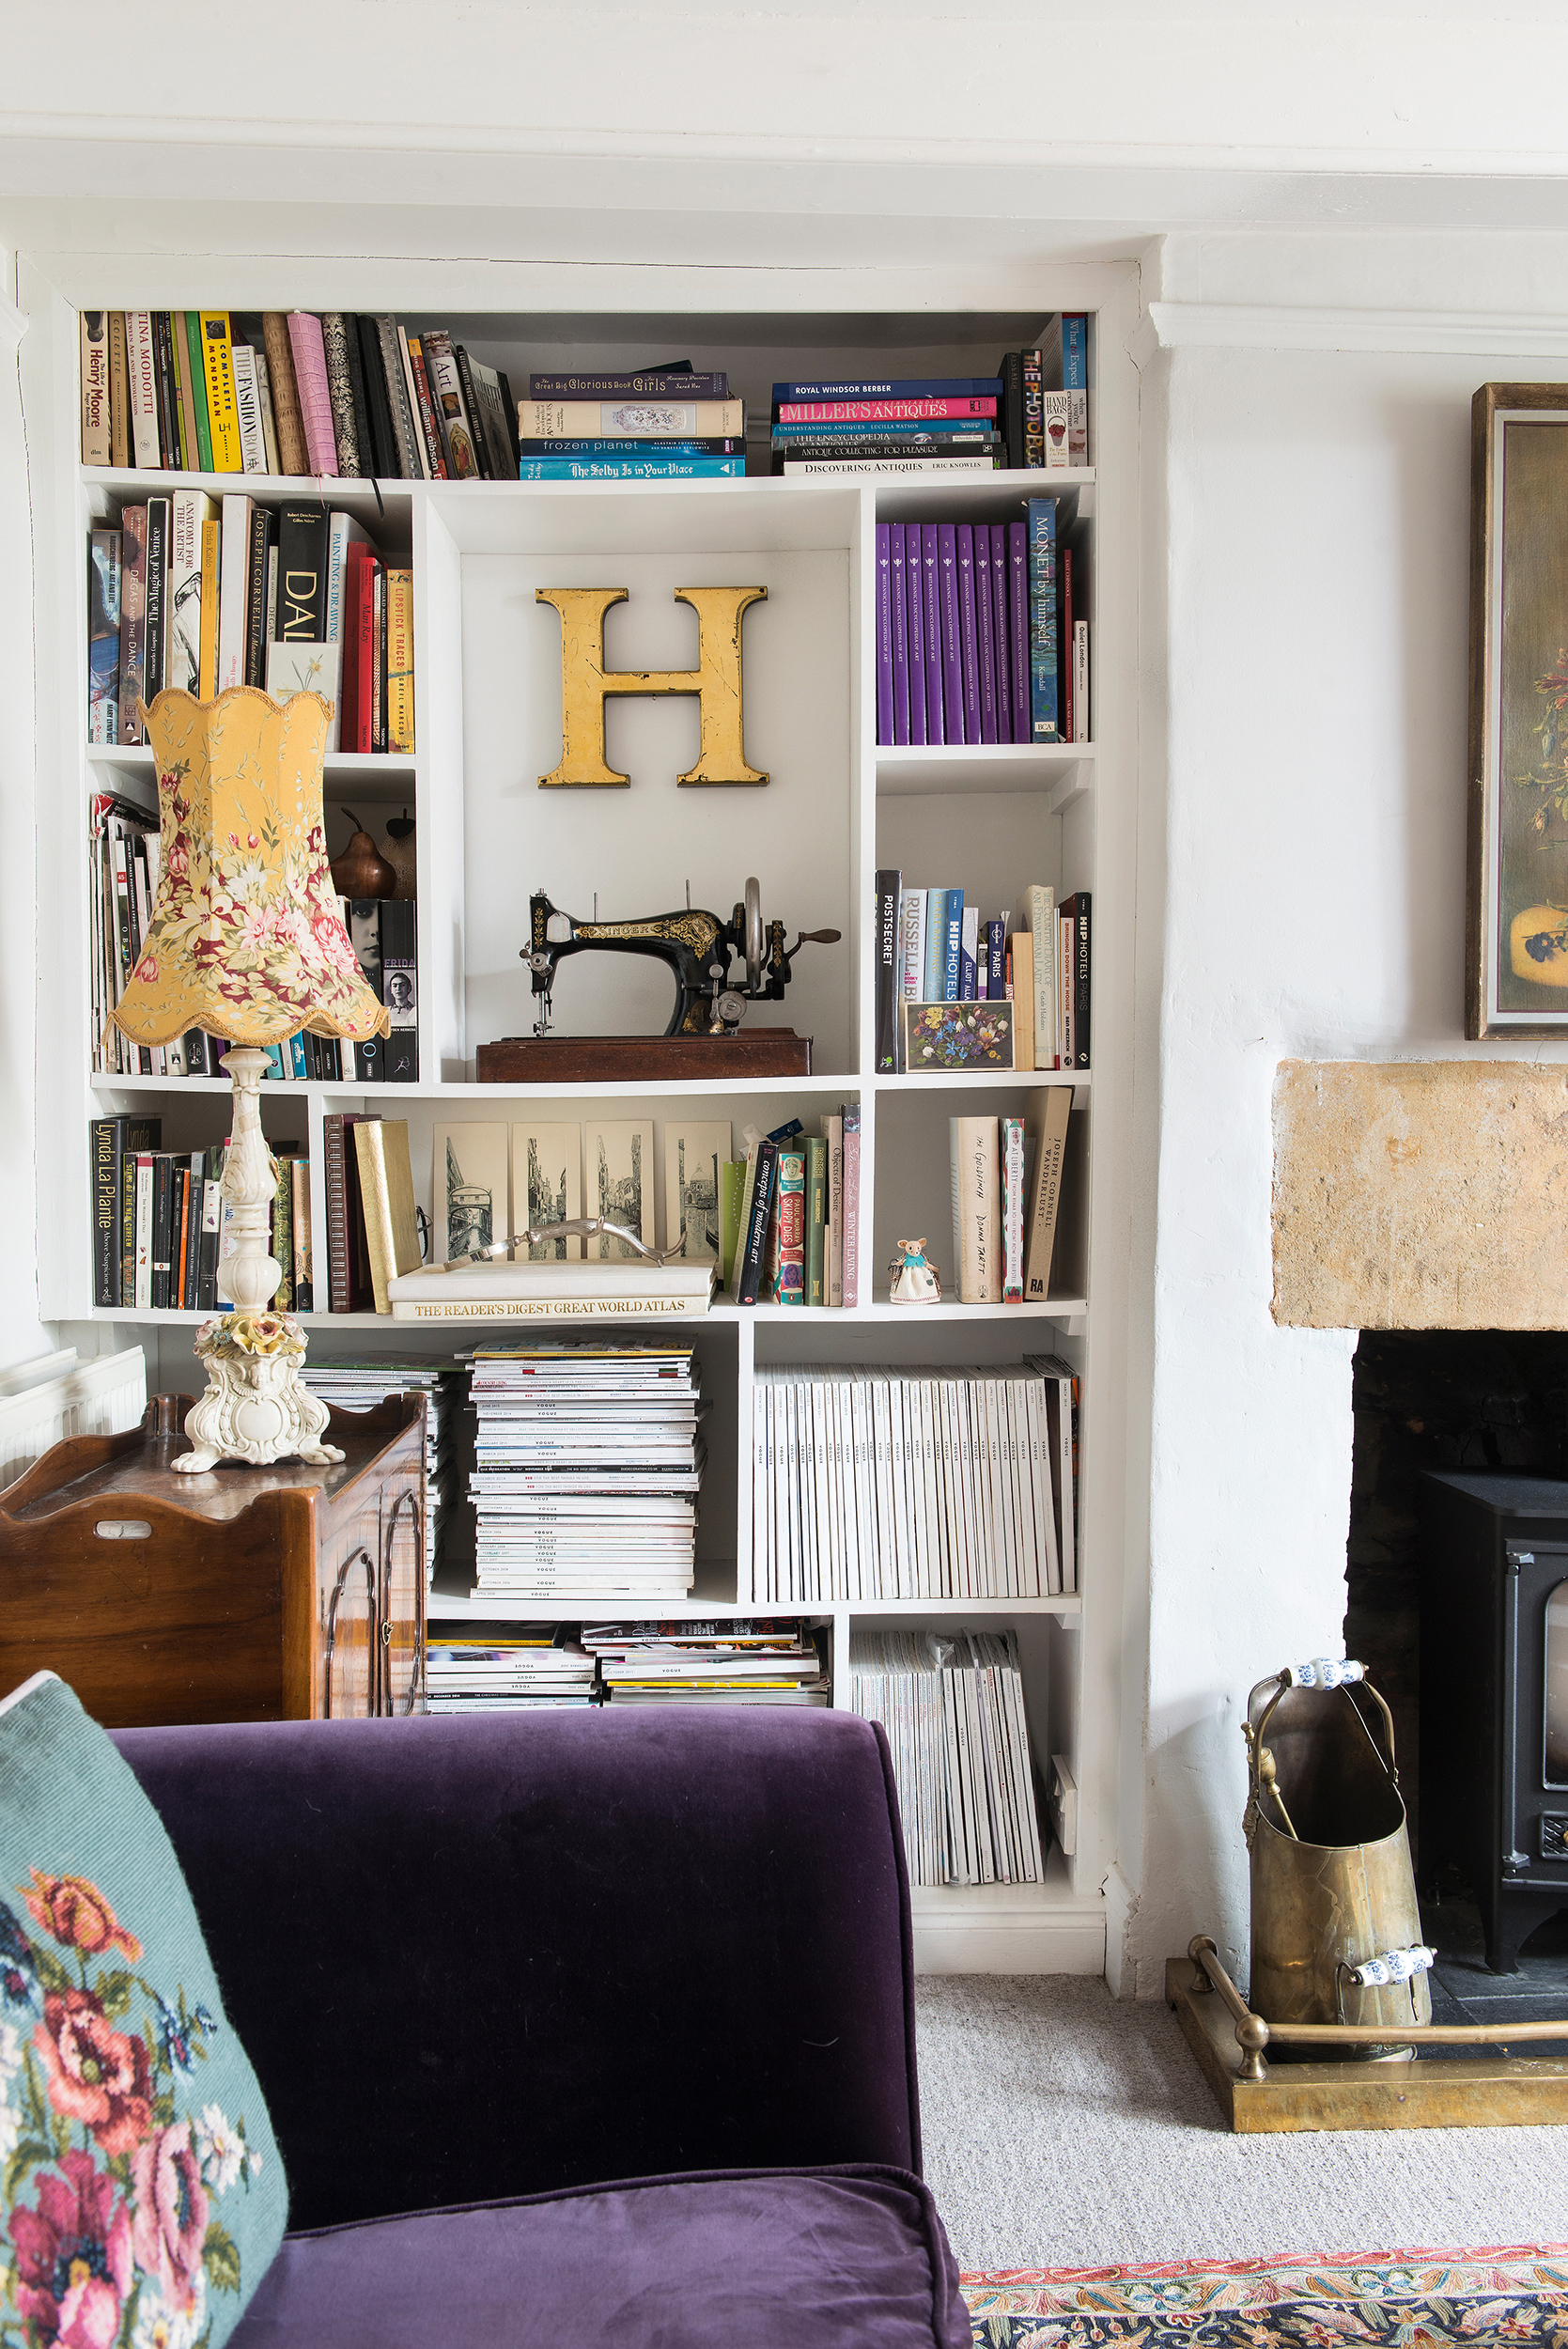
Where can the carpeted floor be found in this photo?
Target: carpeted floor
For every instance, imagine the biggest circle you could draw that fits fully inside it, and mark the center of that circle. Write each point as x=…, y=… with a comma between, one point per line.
x=1066, y=2128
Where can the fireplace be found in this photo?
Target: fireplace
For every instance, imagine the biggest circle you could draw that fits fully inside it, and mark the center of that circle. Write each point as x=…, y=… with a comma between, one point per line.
x=1494, y=1698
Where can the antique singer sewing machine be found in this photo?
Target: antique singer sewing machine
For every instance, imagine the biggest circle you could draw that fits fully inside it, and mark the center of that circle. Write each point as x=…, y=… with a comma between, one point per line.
x=703, y=1030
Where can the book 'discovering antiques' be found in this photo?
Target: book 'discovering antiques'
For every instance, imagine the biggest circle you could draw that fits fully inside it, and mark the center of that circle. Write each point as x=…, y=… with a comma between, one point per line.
x=703, y=1036
x=246, y=941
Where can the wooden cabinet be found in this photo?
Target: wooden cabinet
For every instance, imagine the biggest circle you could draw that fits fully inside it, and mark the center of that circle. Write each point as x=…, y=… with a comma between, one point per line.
x=245, y=1595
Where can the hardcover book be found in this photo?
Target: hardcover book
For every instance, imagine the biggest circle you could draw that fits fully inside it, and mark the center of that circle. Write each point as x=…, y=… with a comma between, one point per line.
x=428, y=421
x=1045, y=1190
x=631, y=419
x=119, y=391
x=1012, y=1157
x=667, y=385
x=976, y=1209
x=400, y=989
x=340, y=392
x=1017, y=627
x=292, y=455
x=974, y=1035
x=931, y=607
x=1001, y=633
x=952, y=647
x=146, y=447
x=899, y=609
x=456, y=426
x=218, y=375
x=884, y=632
x=247, y=409
x=400, y=657
x=914, y=388
x=1043, y=706
x=788, y=1269
x=310, y=378
x=133, y=621
x=386, y=1201
x=968, y=637
x=890, y=411
x=887, y=972
x=157, y=594
x=191, y=510
x=95, y=386
x=632, y=469
x=103, y=627
x=985, y=634
x=915, y=630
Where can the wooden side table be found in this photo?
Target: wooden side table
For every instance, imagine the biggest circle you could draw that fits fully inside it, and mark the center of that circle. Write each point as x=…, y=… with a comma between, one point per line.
x=289, y=1592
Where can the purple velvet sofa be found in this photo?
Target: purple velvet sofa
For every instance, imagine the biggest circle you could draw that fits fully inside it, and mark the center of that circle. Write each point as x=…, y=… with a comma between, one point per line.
x=484, y=1966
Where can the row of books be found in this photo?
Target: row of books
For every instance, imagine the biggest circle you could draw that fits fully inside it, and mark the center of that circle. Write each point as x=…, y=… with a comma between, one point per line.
x=669, y=424
x=935, y=959
x=766, y=1662
x=977, y=640
x=1006, y=1177
x=333, y=395
x=953, y=1711
x=123, y=844
x=203, y=594
x=361, y=1386
x=161, y=1230
x=510, y=1666
x=372, y=1222
x=876, y=1482
x=587, y=1469
x=1032, y=414
x=797, y=1231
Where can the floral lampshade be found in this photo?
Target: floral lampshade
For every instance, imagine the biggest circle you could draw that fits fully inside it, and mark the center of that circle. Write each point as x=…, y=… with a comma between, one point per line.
x=245, y=938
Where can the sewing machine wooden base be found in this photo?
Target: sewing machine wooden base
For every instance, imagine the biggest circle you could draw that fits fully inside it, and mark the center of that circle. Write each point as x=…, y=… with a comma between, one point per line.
x=619, y=1059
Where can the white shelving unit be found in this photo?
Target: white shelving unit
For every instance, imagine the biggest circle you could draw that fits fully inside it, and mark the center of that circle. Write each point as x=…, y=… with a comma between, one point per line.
x=837, y=807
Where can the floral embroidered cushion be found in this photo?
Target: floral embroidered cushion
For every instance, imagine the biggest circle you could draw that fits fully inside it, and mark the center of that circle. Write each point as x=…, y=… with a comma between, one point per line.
x=142, y=2198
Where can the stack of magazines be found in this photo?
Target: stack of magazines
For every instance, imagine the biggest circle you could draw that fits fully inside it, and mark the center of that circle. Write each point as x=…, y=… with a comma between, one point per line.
x=587, y=1463
x=739, y=1663
x=360, y=1386
x=666, y=424
x=953, y=1712
x=504, y=1667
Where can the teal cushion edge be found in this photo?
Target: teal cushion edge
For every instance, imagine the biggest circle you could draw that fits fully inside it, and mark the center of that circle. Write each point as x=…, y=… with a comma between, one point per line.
x=142, y=2196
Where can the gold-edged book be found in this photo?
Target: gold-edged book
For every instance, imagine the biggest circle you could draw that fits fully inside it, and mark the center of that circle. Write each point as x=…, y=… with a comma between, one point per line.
x=386, y=1194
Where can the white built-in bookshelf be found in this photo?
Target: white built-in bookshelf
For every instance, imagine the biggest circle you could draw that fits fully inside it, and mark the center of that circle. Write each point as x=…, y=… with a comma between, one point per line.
x=836, y=808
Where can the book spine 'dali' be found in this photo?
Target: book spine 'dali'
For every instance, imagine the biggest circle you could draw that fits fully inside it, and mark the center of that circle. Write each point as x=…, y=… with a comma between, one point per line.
x=952, y=646
x=852, y=1202
x=883, y=589
x=310, y=375
x=1043, y=706
x=931, y=612
x=985, y=634
x=340, y=393
x=1018, y=626
x=914, y=599
x=899, y=611
x=969, y=650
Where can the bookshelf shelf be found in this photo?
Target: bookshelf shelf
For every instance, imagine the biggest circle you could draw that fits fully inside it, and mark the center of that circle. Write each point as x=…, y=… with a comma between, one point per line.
x=1050, y=768
x=838, y=806
x=373, y=776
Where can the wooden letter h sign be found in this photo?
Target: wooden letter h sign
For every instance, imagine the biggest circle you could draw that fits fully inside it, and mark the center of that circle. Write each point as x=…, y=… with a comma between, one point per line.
x=586, y=682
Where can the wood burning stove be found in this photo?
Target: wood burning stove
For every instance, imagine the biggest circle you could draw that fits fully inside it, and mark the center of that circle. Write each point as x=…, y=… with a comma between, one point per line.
x=1494, y=1698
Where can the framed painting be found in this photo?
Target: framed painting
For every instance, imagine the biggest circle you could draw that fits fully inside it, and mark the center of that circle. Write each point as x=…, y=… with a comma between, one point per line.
x=1516, y=892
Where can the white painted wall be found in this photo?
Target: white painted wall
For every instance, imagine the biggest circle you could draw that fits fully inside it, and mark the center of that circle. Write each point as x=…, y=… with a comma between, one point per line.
x=1306, y=610
x=21, y=1334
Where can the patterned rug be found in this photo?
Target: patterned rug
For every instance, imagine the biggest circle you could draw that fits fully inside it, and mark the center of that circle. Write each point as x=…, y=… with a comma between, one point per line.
x=1404, y=2299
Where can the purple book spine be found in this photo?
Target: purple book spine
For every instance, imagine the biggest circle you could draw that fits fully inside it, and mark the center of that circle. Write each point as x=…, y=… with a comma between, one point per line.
x=953, y=659
x=968, y=649
x=884, y=637
x=984, y=640
x=998, y=616
x=931, y=603
x=915, y=602
x=1018, y=625
x=900, y=635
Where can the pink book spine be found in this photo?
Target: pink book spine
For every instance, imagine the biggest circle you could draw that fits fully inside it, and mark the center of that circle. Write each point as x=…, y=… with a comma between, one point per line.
x=310, y=376
x=852, y=1203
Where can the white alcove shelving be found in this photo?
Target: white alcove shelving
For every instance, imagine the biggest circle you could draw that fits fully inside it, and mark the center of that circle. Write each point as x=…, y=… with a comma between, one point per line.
x=836, y=807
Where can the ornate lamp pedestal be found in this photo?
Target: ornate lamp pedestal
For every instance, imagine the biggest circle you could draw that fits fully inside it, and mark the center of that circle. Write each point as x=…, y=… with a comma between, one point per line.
x=255, y=1408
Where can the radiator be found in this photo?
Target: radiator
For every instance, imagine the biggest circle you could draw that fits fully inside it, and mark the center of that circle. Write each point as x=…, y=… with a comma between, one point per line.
x=100, y=1398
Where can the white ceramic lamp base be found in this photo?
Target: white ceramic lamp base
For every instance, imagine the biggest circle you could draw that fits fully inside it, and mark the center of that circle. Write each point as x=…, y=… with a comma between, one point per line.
x=254, y=1410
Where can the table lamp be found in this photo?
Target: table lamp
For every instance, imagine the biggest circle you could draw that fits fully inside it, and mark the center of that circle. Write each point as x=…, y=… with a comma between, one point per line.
x=246, y=941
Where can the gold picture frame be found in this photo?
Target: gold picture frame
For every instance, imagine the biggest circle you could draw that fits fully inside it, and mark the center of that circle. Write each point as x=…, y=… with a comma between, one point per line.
x=1517, y=886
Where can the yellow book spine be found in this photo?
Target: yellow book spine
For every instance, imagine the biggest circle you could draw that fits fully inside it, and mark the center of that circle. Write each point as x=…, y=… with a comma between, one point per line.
x=399, y=658
x=386, y=1198
x=222, y=412
x=212, y=544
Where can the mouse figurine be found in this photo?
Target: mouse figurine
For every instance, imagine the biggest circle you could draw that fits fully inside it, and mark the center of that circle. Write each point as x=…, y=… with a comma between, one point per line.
x=914, y=1278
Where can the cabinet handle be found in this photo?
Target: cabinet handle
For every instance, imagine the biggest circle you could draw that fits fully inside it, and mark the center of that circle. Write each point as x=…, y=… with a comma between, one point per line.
x=407, y=1497
x=348, y=1568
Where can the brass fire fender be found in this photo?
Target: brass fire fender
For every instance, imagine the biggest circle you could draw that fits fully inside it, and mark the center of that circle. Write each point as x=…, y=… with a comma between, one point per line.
x=1230, y=2043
